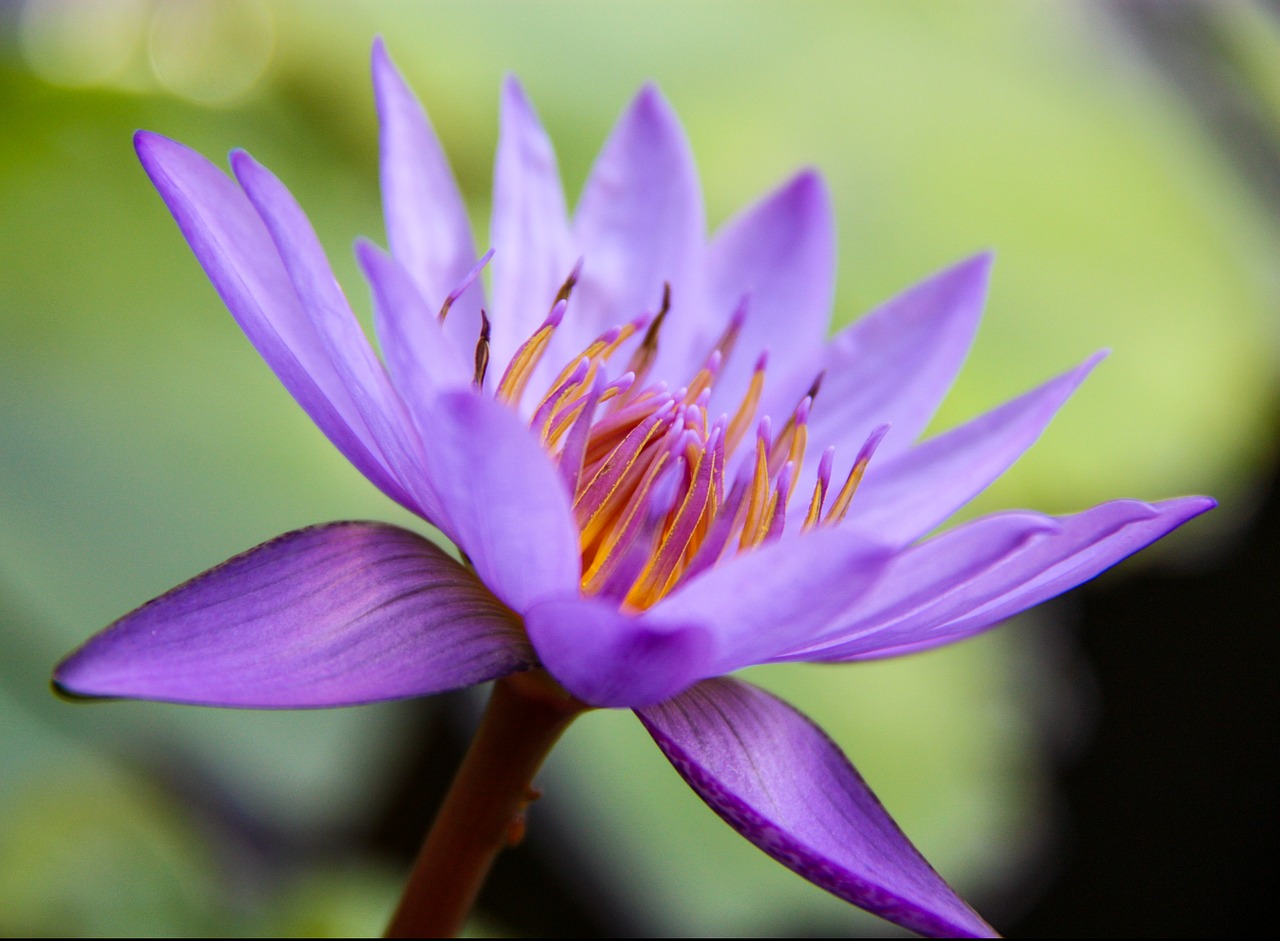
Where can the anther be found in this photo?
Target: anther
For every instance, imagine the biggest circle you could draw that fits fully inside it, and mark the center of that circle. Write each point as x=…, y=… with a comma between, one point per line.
x=841, y=505
x=567, y=288
x=820, y=488
x=520, y=368
x=482, y=346
x=463, y=285
x=729, y=338
x=642, y=359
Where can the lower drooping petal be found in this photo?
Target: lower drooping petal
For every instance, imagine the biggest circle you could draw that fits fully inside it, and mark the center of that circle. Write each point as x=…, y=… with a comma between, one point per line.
x=979, y=574
x=777, y=779
x=332, y=615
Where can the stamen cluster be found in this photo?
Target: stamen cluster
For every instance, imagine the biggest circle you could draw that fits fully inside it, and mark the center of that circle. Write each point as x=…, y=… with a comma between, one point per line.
x=647, y=466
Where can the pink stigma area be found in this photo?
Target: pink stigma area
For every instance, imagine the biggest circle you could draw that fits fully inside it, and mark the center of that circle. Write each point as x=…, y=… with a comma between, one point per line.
x=648, y=466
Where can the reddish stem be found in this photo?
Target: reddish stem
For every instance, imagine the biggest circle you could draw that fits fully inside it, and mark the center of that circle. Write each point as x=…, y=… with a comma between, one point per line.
x=483, y=811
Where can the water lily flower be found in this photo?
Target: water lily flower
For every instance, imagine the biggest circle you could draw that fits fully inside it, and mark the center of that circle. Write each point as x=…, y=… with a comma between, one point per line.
x=657, y=467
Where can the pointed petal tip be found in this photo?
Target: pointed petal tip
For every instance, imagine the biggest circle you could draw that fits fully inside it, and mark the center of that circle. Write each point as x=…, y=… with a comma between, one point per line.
x=513, y=93
x=973, y=272
x=64, y=692
x=650, y=106
x=144, y=140
x=1187, y=507
x=243, y=165
x=379, y=57
x=808, y=183
x=156, y=151
x=1091, y=362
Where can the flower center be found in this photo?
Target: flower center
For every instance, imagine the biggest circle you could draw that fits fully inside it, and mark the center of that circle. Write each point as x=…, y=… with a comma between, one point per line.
x=649, y=469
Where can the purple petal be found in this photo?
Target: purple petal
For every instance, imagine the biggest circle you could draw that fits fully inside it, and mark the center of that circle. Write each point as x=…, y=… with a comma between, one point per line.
x=777, y=779
x=903, y=498
x=896, y=364
x=427, y=224
x=421, y=360
x=238, y=254
x=504, y=500
x=340, y=334
x=328, y=616
x=781, y=252
x=979, y=574
x=767, y=601
x=533, y=252
x=608, y=658
x=640, y=224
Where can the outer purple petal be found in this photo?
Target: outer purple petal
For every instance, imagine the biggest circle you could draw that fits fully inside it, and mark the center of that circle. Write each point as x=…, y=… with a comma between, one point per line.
x=896, y=364
x=340, y=334
x=328, y=616
x=903, y=498
x=533, y=252
x=979, y=574
x=775, y=598
x=782, y=252
x=640, y=223
x=609, y=658
x=240, y=258
x=504, y=499
x=427, y=224
x=421, y=360
x=778, y=780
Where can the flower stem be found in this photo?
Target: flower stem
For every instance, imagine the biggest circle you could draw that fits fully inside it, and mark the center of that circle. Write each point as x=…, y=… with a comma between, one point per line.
x=484, y=809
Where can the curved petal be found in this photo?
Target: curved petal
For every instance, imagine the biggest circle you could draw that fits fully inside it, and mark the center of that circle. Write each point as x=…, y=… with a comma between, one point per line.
x=895, y=365
x=421, y=360
x=977, y=575
x=504, y=499
x=533, y=252
x=777, y=779
x=236, y=251
x=333, y=615
x=427, y=224
x=775, y=598
x=782, y=253
x=608, y=658
x=337, y=328
x=903, y=498
x=640, y=224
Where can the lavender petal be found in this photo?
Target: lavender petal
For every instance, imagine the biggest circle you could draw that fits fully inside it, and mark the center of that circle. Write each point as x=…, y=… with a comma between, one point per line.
x=777, y=779
x=895, y=365
x=427, y=224
x=608, y=658
x=332, y=615
x=529, y=230
x=904, y=497
x=778, y=597
x=340, y=334
x=781, y=252
x=977, y=575
x=236, y=251
x=504, y=499
x=640, y=224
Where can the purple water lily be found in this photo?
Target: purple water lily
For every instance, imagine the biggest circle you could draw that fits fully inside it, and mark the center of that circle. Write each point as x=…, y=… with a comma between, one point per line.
x=657, y=467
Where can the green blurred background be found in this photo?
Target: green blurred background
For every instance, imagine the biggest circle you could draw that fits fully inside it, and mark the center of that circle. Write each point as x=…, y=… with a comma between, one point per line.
x=1120, y=159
